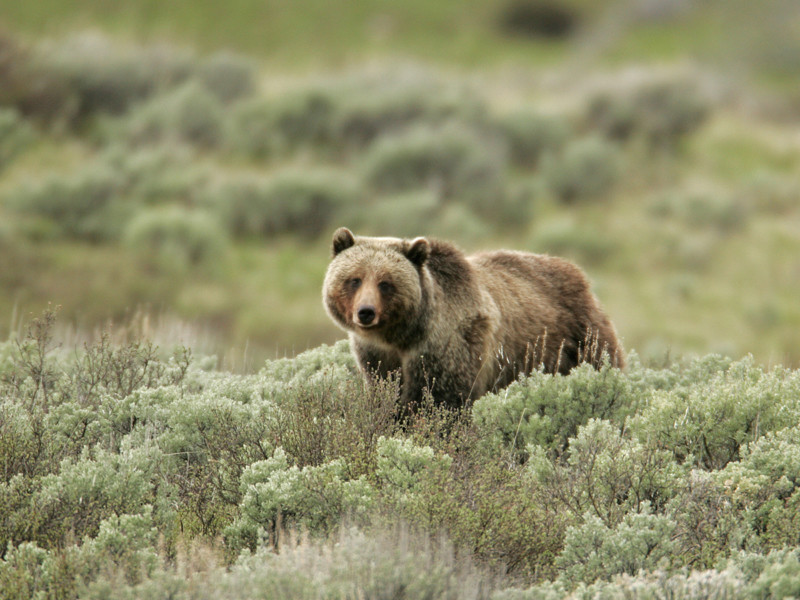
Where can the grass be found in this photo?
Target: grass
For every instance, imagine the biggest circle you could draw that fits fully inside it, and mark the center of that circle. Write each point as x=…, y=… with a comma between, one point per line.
x=279, y=33
x=267, y=306
x=322, y=34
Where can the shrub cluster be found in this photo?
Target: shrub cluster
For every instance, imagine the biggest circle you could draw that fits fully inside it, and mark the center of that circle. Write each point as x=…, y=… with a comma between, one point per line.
x=15, y=135
x=127, y=467
x=714, y=210
x=414, y=144
x=85, y=204
x=178, y=237
x=293, y=201
x=188, y=114
x=587, y=170
x=659, y=112
x=76, y=78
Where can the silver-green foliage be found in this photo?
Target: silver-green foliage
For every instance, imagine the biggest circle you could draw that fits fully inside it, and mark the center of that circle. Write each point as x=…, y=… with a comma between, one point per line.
x=189, y=114
x=83, y=204
x=15, y=135
x=453, y=160
x=546, y=411
x=177, y=236
x=659, y=113
x=304, y=201
x=587, y=169
x=640, y=542
x=709, y=421
x=602, y=483
x=275, y=494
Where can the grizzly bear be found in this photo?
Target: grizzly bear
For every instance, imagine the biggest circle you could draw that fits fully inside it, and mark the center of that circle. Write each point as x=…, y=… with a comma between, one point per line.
x=459, y=326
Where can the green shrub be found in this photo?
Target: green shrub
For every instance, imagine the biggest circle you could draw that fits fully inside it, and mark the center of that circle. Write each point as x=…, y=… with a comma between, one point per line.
x=399, y=465
x=460, y=222
x=779, y=579
x=606, y=474
x=344, y=116
x=316, y=498
x=592, y=551
x=374, y=562
x=97, y=201
x=472, y=503
x=124, y=543
x=263, y=127
x=770, y=192
x=588, y=169
x=708, y=423
x=532, y=135
x=123, y=469
x=15, y=135
x=564, y=237
x=656, y=585
x=450, y=161
x=86, y=204
x=189, y=114
x=301, y=202
x=702, y=209
x=177, y=237
x=764, y=487
x=658, y=112
x=150, y=175
x=329, y=417
x=106, y=77
x=408, y=214
x=544, y=410
x=23, y=571
x=83, y=493
x=228, y=76
x=336, y=361
x=375, y=109
x=709, y=526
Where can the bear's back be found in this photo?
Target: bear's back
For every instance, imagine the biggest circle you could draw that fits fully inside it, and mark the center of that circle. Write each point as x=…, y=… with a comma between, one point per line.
x=543, y=299
x=532, y=275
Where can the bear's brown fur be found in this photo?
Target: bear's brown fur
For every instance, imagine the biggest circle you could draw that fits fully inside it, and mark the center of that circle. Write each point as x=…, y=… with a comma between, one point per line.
x=461, y=325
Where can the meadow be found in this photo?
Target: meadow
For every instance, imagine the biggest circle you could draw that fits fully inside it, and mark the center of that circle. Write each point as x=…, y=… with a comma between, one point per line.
x=180, y=419
x=201, y=185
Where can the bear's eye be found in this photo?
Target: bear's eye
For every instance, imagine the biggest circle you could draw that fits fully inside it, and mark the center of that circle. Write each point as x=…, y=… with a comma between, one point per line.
x=385, y=287
x=353, y=283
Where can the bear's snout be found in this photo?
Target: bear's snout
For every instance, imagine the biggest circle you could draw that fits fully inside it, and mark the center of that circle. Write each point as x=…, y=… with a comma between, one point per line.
x=366, y=315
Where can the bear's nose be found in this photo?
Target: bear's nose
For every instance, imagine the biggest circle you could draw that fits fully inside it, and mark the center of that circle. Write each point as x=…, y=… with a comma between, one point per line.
x=366, y=315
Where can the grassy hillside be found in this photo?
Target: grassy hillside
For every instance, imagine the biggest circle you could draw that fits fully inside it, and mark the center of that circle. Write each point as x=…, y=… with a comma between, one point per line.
x=198, y=187
x=177, y=168
x=313, y=33
x=133, y=472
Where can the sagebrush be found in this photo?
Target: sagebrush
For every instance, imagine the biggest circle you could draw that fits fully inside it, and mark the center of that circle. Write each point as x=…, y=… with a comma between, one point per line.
x=144, y=470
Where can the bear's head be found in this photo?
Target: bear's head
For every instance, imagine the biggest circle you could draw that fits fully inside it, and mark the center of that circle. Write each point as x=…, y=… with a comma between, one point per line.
x=374, y=286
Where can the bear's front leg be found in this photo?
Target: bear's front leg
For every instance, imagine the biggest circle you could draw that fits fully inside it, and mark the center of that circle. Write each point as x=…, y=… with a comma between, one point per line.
x=427, y=373
x=374, y=362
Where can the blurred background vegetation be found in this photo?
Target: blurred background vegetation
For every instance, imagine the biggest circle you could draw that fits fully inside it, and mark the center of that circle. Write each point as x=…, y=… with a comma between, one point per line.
x=180, y=166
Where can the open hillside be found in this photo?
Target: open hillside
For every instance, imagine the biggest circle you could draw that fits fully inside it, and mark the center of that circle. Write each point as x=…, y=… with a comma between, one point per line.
x=170, y=177
x=185, y=168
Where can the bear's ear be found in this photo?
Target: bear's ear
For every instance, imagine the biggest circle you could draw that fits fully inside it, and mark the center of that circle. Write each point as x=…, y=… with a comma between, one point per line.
x=342, y=240
x=418, y=250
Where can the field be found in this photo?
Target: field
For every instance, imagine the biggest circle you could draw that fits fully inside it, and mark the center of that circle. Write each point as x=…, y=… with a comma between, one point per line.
x=170, y=177
x=198, y=185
